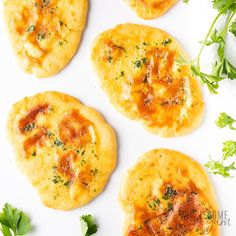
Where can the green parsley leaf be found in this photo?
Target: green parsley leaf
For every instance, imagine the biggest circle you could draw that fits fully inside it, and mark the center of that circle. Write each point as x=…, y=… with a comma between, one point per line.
x=232, y=28
x=14, y=220
x=225, y=120
x=223, y=5
x=222, y=68
x=219, y=168
x=88, y=226
x=6, y=231
x=229, y=70
x=229, y=149
x=212, y=81
x=180, y=60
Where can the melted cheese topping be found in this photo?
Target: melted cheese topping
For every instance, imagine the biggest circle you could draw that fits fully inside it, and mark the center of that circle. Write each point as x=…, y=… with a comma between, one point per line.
x=177, y=213
x=71, y=141
x=65, y=148
x=149, y=9
x=41, y=30
x=142, y=74
x=167, y=193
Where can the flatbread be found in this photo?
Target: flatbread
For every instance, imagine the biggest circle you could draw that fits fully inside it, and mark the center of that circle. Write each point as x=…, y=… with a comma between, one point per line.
x=145, y=73
x=65, y=148
x=168, y=194
x=149, y=9
x=45, y=34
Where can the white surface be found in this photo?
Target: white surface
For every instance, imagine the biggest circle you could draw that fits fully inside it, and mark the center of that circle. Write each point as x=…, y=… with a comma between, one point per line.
x=188, y=24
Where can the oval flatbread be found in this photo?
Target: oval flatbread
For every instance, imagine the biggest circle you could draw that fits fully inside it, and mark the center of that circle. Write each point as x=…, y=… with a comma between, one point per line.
x=66, y=149
x=149, y=9
x=45, y=34
x=168, y=194
x=144, y=72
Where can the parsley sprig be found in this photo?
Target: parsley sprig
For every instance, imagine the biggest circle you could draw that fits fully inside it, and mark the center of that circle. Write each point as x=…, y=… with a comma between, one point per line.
x=14, y=222
x=225, y=120
x=88, y=225
x=229, y=150
x=222, y=68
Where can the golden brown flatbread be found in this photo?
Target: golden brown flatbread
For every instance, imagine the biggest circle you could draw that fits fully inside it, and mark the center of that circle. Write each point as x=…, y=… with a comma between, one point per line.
x=149, y=9
x=45, y=34
x=168, y=194
x=144, y=72
x=66, y=149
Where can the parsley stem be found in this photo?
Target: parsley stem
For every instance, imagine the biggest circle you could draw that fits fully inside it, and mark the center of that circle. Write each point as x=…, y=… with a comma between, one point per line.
x=205, y=40
x=209, y=33
x=227, y=24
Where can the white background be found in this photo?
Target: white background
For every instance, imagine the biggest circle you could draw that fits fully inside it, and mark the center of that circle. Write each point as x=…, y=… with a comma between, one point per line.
x=188, y=23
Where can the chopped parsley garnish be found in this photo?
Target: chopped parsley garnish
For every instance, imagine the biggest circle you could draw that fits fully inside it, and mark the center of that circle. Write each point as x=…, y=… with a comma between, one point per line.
x=56, y=179
x=83, y=162
x=60, y=43
x=31, y=29
x=140, y=62
x=95, y=172
x=88, y=226
x=119, y=47
x=208, y=215
x=154, y=203
x=166, y=42
x=49, y=133
x=144, y=60
x=169, y=192
x=41, y=36
x=46, y=2
x=170, y=206
x=29, y=127
x=33, y=154
x=58, y=143
x=109, y=59
x=122, y=74
x=68, y=183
